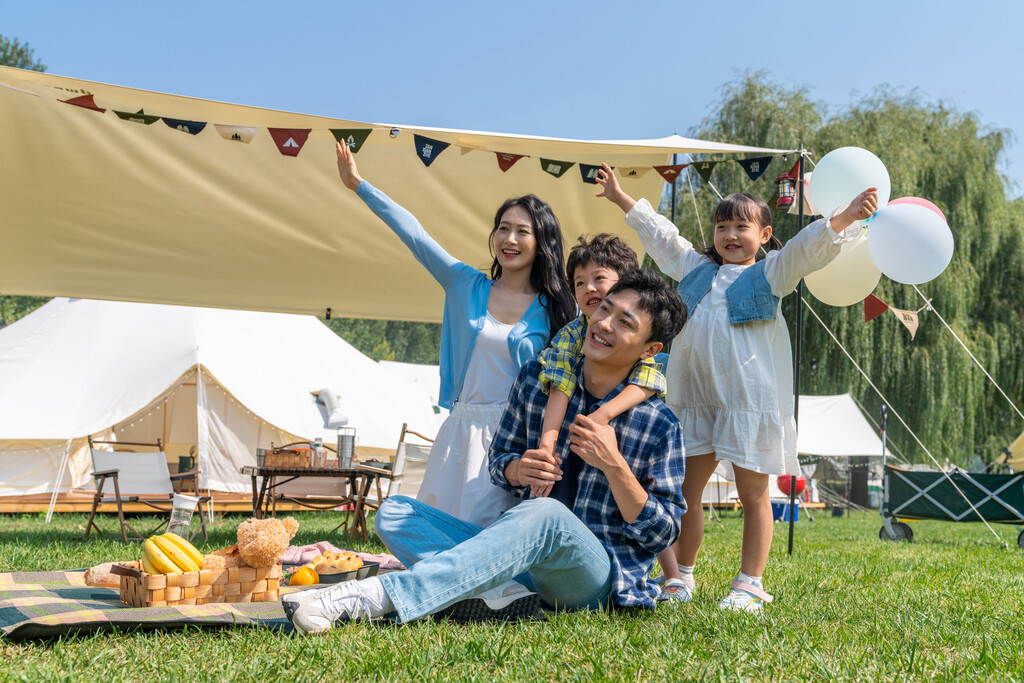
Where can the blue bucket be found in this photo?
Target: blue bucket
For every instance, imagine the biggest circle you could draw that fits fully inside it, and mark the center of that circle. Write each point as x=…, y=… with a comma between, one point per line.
x=780, y=511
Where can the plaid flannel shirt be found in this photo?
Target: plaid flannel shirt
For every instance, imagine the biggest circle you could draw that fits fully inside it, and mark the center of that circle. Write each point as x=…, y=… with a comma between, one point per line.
x=562, y=358
x=649, y=437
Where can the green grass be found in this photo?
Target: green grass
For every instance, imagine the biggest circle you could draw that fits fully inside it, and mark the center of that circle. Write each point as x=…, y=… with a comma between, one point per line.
x=847, y=607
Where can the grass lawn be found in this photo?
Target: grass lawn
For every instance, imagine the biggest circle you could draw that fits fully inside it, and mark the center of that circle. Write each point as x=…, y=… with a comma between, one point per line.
x=947, y=606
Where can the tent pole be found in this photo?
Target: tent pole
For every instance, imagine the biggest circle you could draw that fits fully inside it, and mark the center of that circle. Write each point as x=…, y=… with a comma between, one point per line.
x=674, y=191
x=799, y=350
x=60, y=478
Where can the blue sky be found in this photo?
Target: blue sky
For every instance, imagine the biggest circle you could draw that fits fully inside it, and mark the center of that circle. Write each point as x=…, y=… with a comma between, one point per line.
x=600, y=70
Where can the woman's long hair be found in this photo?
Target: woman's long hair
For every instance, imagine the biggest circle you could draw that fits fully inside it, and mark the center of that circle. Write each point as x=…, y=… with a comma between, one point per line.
x=546, y=275
x=740, y=206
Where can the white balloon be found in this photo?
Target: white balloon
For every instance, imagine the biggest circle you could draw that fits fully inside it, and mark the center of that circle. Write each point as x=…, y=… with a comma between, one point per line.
x=844, y=173
x=849, y=278
x=909, y=243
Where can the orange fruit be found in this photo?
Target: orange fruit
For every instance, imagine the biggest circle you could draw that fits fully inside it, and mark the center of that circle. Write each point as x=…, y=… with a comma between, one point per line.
x=304, y=576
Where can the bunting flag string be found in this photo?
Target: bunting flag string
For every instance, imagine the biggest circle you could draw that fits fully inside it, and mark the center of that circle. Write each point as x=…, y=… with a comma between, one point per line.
x=290, y=141
x=428, y=149
x=243, y=134
x=138, y=117
x=506, y=161
x=670, y=173
x=556, y=168
x=353, y=137
x=874, y=307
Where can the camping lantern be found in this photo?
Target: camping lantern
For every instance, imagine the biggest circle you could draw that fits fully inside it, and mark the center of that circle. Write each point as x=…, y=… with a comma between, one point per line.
x=785, y=186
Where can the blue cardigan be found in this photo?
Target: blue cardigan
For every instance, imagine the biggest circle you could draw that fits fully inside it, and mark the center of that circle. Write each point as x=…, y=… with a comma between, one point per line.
x=466, y=292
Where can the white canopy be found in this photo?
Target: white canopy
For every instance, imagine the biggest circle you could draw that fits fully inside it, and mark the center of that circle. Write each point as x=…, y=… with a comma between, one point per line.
x=833, y=426
x=107, y=200
x=225, y=381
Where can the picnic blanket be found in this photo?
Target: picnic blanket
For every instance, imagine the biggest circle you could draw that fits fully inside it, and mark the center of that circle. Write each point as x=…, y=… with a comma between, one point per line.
x=45, y=604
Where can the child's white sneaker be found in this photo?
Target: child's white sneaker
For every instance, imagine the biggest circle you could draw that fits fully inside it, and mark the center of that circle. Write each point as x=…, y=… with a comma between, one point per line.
x=676, y=590
x=745, y=597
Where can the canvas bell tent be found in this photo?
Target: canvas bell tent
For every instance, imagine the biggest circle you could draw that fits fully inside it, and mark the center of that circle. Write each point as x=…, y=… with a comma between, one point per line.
x=224, y=382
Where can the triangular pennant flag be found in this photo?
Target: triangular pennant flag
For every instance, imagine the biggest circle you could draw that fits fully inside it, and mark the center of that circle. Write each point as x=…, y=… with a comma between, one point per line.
x=137, y=117
x=289, y=140
x=353, y=137
x=86, y=102
x=589, y=173
x=428, y=149
x=705, y=168
x=908, y=318
x=755, y=167
x=555, y=167
x=190, y=127
x=795, y=171
x=632, y=171
x=506, y=161
x=465, y=150
x=236, y=133
x=670, y=173
x=874, y=307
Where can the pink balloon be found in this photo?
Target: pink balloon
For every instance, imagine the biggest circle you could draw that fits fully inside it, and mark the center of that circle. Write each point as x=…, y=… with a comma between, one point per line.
x=920, y=202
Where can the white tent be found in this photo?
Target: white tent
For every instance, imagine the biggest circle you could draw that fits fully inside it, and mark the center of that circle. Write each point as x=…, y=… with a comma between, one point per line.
x=834, y=427
x=224, y=381
x=427, y=378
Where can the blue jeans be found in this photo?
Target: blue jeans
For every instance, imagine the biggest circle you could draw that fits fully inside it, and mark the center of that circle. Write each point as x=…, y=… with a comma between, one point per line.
x=539, y=542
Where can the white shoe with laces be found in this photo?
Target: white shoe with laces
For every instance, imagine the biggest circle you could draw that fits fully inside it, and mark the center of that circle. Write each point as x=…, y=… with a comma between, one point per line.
x=320, y=609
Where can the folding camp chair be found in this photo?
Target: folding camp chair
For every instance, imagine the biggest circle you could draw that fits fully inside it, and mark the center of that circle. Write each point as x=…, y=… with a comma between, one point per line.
x=370, y=493
x=136, y=478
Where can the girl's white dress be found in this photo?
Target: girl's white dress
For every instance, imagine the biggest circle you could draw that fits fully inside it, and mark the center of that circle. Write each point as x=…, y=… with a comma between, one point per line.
x=732, y=385
x=457, y=479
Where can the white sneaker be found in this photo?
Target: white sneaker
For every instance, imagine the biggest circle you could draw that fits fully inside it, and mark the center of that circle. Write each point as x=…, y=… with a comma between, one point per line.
x=321, y=609
x=745, y=597
x=676, y=590
x=507, y=602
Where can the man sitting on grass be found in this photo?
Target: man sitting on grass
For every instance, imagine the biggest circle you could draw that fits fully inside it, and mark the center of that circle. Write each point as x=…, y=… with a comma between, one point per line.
x=615, y=503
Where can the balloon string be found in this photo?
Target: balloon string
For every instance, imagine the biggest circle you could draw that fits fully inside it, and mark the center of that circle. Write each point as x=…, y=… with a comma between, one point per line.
x=900, y=418
x=973, y=357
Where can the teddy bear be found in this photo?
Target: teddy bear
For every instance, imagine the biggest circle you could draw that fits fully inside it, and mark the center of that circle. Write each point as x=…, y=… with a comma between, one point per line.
x=261, y=543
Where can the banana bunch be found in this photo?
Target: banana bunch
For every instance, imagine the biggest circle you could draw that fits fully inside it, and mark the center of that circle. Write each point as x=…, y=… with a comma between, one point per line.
x=170, y=554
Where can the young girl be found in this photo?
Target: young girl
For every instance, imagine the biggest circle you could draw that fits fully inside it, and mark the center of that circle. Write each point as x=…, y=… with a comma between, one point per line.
x=730, y=369
x=491, y=326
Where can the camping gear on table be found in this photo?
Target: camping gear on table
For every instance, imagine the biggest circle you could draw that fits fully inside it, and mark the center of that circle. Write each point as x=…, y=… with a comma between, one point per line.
x=956, y=496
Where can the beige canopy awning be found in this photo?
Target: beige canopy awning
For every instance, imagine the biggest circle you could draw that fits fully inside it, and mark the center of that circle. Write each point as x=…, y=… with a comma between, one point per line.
x=115, y=193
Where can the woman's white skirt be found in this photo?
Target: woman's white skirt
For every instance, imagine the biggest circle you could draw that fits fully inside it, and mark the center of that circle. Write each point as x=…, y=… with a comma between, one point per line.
x=457, y=480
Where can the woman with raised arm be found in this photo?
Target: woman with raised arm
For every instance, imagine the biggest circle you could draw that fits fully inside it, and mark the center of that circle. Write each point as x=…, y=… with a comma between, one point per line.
x=491, y=326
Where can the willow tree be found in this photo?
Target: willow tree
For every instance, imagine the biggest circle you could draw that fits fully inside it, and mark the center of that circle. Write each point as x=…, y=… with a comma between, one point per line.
x=930, y=151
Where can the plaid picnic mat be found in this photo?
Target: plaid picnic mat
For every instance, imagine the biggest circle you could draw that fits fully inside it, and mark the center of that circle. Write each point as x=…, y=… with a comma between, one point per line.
x=44, y=604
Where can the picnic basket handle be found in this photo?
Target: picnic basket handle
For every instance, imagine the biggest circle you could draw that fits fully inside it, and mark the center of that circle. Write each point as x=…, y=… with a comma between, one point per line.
x=125, y=570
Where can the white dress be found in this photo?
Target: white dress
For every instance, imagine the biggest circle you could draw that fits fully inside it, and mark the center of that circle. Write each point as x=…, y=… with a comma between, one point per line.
x=732, y=385
x=457, y=480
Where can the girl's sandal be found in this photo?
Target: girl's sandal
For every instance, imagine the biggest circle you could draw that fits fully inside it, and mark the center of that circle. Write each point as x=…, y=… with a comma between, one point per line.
x=745, y=597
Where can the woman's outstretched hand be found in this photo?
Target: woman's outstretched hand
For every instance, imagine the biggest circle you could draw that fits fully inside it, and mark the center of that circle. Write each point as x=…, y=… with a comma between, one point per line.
x=611, y=190
x=347, y=167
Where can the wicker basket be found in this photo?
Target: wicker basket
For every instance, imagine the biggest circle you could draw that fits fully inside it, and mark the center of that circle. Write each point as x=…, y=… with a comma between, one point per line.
x=235, y=584
x=287, y=458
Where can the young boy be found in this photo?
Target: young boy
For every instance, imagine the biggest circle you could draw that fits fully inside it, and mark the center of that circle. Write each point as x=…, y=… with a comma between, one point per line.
x=593, y=268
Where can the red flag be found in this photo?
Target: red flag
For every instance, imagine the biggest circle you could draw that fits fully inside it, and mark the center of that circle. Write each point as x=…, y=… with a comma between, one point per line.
x=506, y=161
x=670, y=173
x=85, y=101
x=795, y=171
x=289, y=140
x=874, y=307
